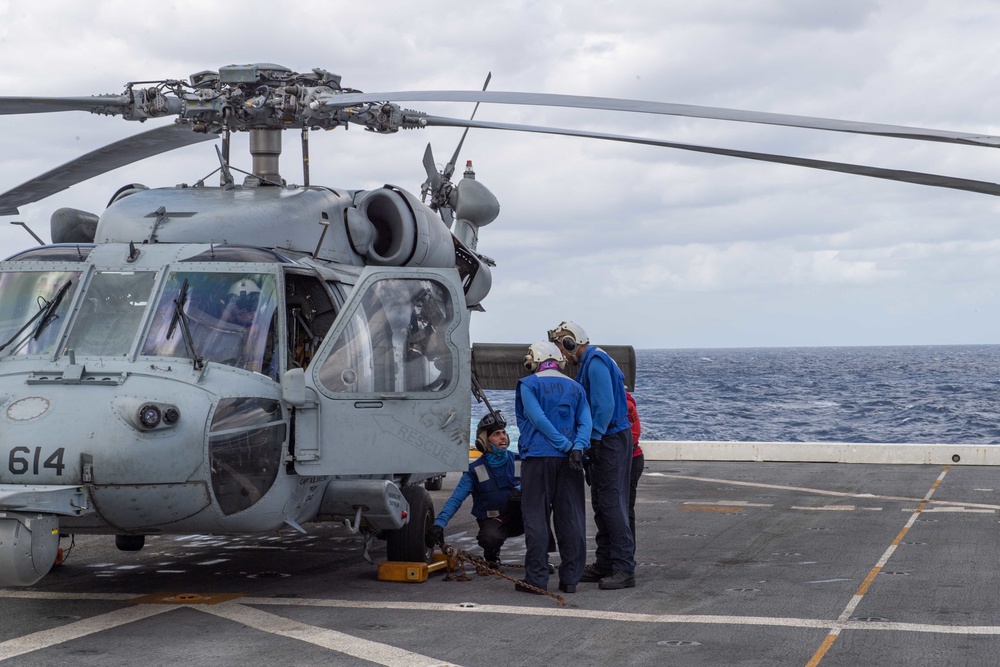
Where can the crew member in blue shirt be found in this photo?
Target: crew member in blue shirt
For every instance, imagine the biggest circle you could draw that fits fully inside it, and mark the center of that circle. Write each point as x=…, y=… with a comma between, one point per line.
x=610, y=457
x=493, y=480
x=554, y=421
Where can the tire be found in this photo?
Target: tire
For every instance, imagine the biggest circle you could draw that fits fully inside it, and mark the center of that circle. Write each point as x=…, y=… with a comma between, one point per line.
x=406, y=544
x=434, y=483
x=130, y=542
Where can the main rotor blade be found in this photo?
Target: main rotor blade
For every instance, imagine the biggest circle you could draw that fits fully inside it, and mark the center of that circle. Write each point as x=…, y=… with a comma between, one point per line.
x=95, y=163
x=670, y=109
x=16, y=105
x=919, y=178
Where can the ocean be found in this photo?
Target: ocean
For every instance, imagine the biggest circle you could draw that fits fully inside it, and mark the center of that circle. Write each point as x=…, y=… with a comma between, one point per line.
x=919, y=394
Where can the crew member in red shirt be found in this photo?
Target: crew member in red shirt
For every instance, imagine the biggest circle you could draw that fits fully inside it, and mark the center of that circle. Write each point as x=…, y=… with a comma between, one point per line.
x=638, y=460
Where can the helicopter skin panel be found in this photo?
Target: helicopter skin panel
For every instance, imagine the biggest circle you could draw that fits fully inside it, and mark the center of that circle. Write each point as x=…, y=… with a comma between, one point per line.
x=264, y=217
x=104, y=159
x=142, y=507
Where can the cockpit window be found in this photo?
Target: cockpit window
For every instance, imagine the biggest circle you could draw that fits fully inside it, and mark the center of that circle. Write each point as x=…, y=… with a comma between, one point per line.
x=110, y=313
x=54, y=253
x=224, y=253
x=33, y=308
x=395, y=341
x=232, y=318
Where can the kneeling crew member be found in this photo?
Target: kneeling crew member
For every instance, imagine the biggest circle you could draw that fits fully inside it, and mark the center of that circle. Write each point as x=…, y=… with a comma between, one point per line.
x=492, y=480
x=554, y=419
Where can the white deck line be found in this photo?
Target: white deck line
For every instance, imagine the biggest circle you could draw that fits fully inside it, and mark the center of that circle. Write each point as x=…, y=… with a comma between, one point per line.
x=822, y=452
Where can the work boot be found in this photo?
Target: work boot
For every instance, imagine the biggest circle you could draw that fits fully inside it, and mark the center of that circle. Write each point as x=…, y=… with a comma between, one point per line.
x=522, y=587
x=592, y=574
x=617, y=579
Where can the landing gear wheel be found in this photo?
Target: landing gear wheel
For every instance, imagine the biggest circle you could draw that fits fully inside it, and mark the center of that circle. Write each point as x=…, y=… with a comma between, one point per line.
x=406, y=544
x=130, y=542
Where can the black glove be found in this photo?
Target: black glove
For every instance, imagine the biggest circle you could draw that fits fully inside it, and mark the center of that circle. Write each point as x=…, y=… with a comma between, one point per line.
x=592, y=452
x=576, y=460
x=434, y=535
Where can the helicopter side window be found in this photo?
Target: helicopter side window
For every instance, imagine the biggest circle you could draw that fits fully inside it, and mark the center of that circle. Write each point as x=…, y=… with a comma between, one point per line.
x=396, y=341
x=110, y=313
x=33, y=308
x=245, y=451
x=310, y=313
x=232, y=317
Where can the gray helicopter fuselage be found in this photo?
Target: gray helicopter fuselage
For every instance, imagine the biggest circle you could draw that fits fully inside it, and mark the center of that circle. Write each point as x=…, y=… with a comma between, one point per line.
x=229, y=361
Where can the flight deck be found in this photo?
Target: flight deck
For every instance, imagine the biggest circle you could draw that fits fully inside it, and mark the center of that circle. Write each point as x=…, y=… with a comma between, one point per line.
x=739, y=563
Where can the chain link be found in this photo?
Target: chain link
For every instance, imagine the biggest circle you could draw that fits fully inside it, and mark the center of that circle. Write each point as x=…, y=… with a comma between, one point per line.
x=484, y=569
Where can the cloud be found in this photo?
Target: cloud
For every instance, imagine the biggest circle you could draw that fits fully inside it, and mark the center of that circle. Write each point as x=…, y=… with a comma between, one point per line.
x=658, y=247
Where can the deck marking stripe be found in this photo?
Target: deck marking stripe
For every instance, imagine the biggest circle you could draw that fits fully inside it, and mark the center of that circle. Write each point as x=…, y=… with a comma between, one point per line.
x=508, y=610
x=380, y=654
x=711, y=508
x=827, y=508
x=823, y=648
x=629, y=617
x=866, y=584
x=46, y=595
x=728, y=503
x=37, y=641
x=821, y=492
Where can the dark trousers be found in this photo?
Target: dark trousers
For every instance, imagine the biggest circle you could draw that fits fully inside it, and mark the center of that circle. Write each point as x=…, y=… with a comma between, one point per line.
x=638, y=463
x=494, y=532
x=610, y=471
x=549, y=487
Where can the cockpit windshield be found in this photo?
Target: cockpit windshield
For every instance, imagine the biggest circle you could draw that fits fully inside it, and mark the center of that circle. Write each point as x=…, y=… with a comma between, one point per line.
x=110, y=313
x=232, y=318
x=33, y=307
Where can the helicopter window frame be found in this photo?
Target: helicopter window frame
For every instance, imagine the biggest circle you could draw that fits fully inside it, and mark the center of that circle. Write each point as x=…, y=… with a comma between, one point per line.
x=161, y=314
x=54, y=336
x=346, y=337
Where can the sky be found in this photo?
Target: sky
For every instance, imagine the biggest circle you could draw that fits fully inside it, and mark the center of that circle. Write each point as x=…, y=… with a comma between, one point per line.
x=645, y=246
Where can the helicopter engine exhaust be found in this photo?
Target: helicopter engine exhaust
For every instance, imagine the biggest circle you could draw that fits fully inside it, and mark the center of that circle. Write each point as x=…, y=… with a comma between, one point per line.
x=28, y=547
x=391, y=227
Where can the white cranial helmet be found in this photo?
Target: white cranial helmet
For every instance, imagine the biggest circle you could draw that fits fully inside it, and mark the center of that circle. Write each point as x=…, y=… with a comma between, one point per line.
x=543, y=351
x=243, y=286
x=570, y=335
x=244, y=294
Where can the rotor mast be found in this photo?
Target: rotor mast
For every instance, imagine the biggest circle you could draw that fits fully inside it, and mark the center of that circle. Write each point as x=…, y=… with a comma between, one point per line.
x=265, y=149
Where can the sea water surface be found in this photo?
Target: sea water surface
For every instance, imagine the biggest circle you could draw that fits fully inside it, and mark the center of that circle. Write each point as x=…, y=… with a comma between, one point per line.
x=918, y=394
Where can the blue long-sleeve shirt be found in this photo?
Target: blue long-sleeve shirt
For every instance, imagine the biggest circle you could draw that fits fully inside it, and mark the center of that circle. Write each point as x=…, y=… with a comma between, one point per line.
x=605, y=385
x=466, y=486
x=552, y=415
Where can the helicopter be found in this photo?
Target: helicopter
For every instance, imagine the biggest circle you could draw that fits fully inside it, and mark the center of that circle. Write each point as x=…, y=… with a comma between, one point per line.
x=251, y=357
